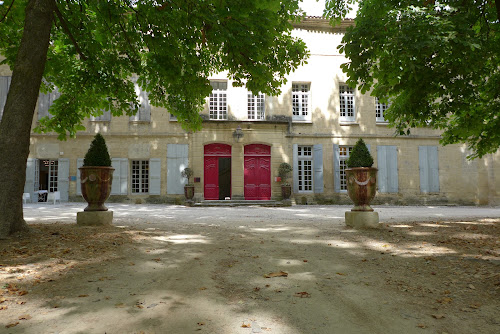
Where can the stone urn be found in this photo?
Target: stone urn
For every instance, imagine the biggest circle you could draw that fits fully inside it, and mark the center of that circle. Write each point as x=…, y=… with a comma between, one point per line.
x=96, y=186
x=361, y=186
x=189, y=192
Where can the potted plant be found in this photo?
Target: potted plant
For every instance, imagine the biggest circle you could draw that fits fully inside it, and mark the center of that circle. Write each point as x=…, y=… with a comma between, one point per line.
x=189, y=187
x=284, y=171
x=96, y=175
x=361, y=177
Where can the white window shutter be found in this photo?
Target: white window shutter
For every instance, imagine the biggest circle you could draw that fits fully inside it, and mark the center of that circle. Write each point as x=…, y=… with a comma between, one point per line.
x=29, y=185
x=79, y=163
x=295, y=171
x=124, y=165
x=63, y=178
x=336, y=166
x=318, y=168
x=116, y=185
x=154, y=176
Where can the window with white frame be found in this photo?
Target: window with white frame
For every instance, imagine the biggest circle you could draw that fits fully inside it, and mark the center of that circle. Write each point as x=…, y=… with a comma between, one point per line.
x=347, y=108
x=380, y=109
x=140, y=176
x=144, y=112
x=344, y=152
x=305, y=168
x=256, y=106
x=301, y=102
x=218, y=100
x=52, y=175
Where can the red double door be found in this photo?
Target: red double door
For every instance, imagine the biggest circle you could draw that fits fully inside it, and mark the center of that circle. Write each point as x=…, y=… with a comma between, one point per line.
x=257, y=172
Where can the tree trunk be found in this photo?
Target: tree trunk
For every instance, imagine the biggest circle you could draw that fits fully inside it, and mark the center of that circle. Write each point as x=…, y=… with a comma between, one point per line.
x=15, y=126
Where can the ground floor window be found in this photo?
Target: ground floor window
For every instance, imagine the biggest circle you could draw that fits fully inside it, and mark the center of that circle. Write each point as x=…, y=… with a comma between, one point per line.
x=140, y=176
x=46, y=175
x=305, y=168
x=344, y=152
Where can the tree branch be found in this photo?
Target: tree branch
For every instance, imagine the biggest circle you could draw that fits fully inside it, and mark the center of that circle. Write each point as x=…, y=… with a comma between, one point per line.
x=68, y=32
x=7, y=12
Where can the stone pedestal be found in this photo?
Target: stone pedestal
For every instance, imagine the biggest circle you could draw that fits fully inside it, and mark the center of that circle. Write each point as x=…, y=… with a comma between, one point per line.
x=362, y=219
x=94, y=218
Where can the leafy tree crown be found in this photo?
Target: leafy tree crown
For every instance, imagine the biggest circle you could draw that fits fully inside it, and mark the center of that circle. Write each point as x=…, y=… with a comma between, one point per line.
x=98, y=154
x=360, y=156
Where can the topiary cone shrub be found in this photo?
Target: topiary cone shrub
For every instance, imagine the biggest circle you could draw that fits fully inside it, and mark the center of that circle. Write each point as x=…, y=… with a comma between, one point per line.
x=189, y=187
x=96, y=175
x=361, y=177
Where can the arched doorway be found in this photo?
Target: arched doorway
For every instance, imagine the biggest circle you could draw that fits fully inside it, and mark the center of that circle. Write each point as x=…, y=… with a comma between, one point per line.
x=217, y=179
x=257, y=172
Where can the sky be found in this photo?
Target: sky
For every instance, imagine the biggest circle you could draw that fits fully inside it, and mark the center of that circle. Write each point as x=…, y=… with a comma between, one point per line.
x=315, y=8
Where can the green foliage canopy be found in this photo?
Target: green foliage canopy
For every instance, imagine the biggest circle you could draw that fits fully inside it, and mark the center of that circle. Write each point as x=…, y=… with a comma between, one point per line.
x=437, y=62
x=360, y=156
x=173, y=47
x=98, y=154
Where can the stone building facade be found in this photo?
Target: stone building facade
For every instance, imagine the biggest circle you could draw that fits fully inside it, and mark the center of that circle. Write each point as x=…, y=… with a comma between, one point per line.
x=312, y=125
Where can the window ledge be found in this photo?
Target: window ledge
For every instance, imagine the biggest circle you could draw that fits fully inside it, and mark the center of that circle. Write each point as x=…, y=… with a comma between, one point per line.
x=348, y=123
x=301, y=121
x=139, y=122
x=382, y=123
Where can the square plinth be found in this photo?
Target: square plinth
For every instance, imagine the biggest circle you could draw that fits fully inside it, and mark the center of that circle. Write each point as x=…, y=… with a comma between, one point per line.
x=94, y=218
x=362, y=219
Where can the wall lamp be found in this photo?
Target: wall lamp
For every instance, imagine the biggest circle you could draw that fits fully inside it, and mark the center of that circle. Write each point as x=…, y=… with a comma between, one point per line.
x=238, y=134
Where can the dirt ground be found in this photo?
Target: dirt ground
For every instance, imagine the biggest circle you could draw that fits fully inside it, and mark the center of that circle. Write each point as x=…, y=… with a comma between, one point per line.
x=170, y=269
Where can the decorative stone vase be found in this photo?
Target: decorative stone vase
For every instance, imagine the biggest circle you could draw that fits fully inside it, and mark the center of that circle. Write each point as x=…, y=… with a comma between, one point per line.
x=286, y=191
x=96, y=186
x=361, y=186
x=189, y=192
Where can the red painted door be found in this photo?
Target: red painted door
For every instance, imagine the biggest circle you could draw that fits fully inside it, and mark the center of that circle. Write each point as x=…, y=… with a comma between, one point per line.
x=213, y=152
x=211, y=178
x=257, y=177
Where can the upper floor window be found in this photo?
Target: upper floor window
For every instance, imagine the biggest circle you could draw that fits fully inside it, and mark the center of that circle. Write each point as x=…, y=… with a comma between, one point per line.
x=45, y=101
x=347, y=110
x=301, y=102
x=144, y=112
x=218, y=100
x=256, y=106
x=380, y=109
x=104, y=117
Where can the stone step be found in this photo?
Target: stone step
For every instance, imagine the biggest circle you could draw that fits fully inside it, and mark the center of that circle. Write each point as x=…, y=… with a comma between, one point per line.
x=270, y=203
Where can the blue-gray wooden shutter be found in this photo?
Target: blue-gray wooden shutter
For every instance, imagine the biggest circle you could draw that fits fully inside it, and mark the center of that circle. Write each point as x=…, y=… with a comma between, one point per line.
x=124, y=165
x=177, y=160
x=336, y=166
x=387, y=161
x=116, y=185
x=79, y=163
x=63, y=178
x=295, y=168
x=4, y=89
x=154, y=176
x=318, y=168
x=429, y=168
x=29, y=184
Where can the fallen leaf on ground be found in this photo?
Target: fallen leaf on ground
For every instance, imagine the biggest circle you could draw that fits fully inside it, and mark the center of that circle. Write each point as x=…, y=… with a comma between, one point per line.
x=421, y=326
x=81, y=296
x=201, y=323
x=276, y=274
x=25, y=317
x=12, y=324
x=203, y=288
x=246, y=325
x=3, y=308
x=438, y=316
x=303, y=294
x=22, y=293
x=120, y=305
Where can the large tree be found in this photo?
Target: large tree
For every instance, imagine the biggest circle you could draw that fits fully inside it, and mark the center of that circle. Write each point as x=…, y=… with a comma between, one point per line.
x=90, y=49
x=436, y=62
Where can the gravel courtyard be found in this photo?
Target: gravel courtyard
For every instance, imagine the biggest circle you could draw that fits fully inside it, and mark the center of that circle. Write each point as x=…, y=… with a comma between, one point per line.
x=294, y=270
